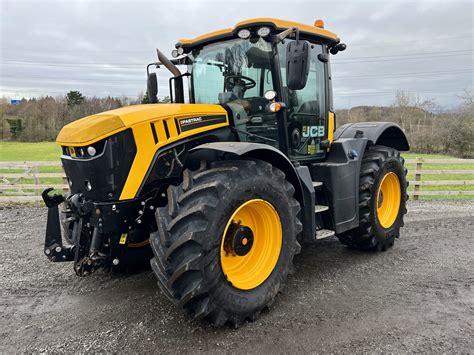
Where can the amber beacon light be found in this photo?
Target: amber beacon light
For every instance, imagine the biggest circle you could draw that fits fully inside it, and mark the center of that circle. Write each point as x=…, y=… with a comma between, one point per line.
x=319, y=23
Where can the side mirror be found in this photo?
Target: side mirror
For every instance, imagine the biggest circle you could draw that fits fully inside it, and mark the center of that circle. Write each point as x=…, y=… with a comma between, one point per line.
x=297, y=64
x=338, y=48
x=152, y=88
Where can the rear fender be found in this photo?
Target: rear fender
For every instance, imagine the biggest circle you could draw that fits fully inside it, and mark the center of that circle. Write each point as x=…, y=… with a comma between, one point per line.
x=377, y=133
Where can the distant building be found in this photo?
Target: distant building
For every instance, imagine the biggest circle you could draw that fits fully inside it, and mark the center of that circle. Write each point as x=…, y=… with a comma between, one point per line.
x=15, y=102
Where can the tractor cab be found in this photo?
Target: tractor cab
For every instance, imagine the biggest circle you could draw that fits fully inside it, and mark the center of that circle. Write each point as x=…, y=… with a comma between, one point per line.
x=271, y=76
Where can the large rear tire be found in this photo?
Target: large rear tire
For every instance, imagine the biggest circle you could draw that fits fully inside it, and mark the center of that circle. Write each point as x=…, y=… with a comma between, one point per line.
x=382, y=200
x=226, y=240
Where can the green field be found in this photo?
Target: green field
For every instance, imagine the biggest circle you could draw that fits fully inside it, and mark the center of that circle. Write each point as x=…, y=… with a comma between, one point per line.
x=14, y=151
x=50, y=151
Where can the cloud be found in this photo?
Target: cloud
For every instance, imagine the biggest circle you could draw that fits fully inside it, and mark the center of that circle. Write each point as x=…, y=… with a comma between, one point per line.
x=102, y=47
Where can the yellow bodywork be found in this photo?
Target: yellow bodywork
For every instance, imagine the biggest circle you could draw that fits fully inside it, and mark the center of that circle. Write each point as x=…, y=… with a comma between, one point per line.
x=277, y=23
x=139, y=118
x=331, y=127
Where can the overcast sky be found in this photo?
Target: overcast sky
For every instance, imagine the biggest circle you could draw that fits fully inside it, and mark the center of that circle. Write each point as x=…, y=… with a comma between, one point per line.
x=101, y=47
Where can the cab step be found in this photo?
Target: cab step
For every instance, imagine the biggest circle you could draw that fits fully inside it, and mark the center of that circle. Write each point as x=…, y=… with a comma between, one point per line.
x=320, y=208
x=324, y=233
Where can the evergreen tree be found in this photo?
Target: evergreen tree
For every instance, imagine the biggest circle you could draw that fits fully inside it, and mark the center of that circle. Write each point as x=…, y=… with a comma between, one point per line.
x=74, y=98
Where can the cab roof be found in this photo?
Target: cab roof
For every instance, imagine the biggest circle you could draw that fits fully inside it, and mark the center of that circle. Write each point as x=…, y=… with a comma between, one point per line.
x=305, y=30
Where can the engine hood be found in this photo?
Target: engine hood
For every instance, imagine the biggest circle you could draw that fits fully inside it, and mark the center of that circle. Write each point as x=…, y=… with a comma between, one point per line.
x=93, y=128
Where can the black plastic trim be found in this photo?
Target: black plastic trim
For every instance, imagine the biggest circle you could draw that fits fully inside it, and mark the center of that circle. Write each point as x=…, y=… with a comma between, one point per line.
x=382, y=133
x=167, y=132
x=340, y=177
x=153, y=131
x=106, y=172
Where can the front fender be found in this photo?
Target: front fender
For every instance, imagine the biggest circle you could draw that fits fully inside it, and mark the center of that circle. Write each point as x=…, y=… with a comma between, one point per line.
x=258, y=151
x=377, y=133
x=298, y=176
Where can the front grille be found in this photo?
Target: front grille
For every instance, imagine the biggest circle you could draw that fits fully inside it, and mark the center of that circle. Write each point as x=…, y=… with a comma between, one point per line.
x=102, y=177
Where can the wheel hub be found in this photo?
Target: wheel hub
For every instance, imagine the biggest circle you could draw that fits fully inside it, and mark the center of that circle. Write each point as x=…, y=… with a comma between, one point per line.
x=388, y=200
x=238, y=240
x=380, y=199
x=251, y=244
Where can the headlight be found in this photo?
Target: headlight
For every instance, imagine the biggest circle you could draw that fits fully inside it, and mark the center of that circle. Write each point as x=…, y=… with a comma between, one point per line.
x=270, y=95
x=263, y=31
x=91, y=151
x=244, y=33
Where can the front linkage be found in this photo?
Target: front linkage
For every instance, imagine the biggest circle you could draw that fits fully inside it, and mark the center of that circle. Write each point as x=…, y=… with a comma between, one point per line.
x=83, y=240
x=96, y=234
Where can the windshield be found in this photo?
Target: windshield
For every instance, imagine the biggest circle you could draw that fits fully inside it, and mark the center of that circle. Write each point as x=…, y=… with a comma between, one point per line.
x=232, y=70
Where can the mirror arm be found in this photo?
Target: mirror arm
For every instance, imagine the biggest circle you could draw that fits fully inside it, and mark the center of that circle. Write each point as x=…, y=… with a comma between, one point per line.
x=156, y=64
x=288, y=32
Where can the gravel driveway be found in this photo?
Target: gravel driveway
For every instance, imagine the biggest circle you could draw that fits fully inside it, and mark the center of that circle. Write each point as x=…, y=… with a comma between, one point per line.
x=417, y=297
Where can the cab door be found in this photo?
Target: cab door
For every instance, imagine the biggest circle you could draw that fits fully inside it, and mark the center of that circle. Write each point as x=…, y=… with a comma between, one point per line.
x=307, y=109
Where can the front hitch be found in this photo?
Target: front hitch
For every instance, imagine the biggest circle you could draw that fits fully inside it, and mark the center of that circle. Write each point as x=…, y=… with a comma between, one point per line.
x=53, y=246
x=84, y=250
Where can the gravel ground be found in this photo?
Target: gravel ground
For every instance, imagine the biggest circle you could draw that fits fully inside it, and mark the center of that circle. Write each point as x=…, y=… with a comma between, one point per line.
x=417, y=297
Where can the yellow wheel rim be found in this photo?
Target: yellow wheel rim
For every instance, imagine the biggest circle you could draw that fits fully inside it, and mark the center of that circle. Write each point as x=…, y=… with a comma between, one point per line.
x=388, y=200
x=262, y=244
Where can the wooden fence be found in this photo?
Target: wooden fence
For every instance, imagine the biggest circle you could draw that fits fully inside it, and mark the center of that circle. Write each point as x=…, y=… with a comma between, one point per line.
x=24, y=181
x=418, y=182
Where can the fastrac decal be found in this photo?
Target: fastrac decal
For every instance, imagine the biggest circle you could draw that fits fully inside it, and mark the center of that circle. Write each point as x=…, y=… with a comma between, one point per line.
x=186, y=124
x=190, y=120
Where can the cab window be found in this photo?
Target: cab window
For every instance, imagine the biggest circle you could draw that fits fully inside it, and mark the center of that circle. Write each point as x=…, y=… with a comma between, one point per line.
x=237, y=73
x=306, y=108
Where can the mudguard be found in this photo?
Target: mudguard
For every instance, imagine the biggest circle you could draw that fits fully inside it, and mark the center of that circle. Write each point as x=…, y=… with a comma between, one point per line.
x=341, y=169
x=297, y=175
x=382, y=133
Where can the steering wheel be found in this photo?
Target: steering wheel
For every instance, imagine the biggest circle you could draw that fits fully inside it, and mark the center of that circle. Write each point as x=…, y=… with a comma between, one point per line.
x=248, y=82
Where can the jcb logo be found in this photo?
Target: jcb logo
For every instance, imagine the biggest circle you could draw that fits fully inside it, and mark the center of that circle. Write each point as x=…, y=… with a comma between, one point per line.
x=313, y=131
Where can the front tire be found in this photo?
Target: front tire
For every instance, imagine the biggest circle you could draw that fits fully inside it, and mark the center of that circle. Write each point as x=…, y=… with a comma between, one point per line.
x=199, y=268
x=382, y=200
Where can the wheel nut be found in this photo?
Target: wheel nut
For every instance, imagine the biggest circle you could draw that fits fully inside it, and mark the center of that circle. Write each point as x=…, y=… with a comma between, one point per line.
x=115, y=262
x=58, y=249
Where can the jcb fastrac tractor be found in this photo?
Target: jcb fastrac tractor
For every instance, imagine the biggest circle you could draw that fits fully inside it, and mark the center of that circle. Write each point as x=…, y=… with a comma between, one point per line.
x=219, y=189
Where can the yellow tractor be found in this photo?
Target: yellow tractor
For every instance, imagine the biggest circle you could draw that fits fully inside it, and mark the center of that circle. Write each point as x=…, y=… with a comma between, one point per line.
x=219, y=189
